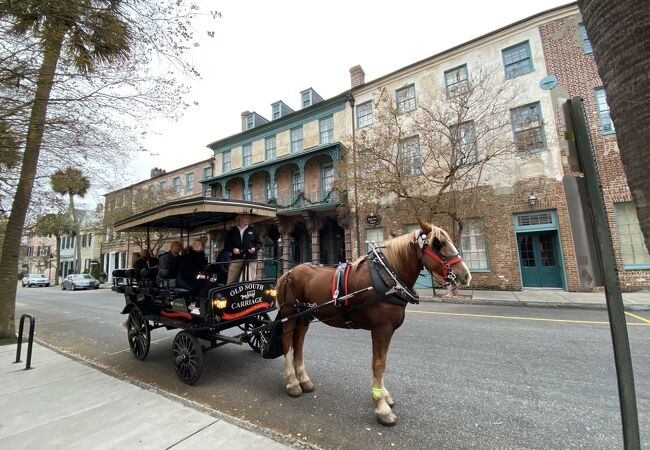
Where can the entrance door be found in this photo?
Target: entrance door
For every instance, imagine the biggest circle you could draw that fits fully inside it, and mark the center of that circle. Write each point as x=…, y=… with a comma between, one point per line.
x=539, y=259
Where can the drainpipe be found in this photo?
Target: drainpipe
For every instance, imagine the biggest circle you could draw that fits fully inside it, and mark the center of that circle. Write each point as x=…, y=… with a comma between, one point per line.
x=350, y=100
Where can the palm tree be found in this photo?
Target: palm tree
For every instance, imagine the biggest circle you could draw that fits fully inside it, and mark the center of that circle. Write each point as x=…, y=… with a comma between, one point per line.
x=89, y=32
x=71, y=182
x=623, y=65
x=56, y=225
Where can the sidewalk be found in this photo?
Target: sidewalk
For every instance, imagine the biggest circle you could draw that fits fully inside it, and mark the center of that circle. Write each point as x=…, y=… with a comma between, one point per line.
x=540, y=297
x=62, y=403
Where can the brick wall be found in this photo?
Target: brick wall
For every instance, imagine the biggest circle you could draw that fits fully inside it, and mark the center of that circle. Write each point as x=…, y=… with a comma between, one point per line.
x=577, y=74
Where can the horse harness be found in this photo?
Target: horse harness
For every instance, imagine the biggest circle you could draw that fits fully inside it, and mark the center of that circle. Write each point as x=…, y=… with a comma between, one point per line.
x=385, y=282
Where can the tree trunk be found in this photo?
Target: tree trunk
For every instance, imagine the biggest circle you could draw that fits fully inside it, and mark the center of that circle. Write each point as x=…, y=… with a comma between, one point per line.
x=620, y=35
x=77, y=236
x=53, y=41
x=58, y=260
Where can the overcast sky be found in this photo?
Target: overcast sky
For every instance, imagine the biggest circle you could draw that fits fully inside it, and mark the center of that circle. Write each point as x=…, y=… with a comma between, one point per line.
x=264, y=51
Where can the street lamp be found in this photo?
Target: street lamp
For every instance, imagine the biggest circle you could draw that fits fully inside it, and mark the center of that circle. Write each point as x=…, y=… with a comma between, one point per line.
x=532, y=199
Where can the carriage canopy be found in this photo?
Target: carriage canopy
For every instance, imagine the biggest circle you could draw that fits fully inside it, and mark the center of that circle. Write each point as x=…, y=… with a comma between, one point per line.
x=193, y=214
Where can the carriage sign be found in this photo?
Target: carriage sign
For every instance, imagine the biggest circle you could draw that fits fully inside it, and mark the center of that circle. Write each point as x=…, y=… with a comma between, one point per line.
x=234, y=302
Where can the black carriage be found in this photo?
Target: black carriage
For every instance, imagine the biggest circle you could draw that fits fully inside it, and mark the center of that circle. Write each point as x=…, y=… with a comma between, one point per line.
x=152, y=304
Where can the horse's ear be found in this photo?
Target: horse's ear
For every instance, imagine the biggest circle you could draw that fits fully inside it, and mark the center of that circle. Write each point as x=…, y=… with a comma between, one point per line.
x=424, y=226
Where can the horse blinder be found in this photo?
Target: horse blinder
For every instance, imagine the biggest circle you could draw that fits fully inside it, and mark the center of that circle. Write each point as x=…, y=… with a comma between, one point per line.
x=435, y=253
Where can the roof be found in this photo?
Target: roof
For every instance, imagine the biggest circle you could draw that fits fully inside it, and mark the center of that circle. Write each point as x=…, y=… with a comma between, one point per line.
x=193, y=213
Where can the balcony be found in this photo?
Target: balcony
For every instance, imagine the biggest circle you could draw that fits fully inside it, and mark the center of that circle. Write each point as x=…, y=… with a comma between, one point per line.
x=306, y=200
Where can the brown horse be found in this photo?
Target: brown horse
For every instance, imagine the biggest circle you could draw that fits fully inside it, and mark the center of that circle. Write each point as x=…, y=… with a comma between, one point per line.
x=429, y=247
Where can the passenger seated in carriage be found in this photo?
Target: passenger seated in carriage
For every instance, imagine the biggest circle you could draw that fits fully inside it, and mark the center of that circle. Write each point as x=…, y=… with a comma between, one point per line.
x=141, y=263
x=192, y=264
x=169, y=263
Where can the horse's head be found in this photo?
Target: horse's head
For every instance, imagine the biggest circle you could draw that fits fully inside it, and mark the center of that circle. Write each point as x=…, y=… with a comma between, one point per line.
x=439, y=255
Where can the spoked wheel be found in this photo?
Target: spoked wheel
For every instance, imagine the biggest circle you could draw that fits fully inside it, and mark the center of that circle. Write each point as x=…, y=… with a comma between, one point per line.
x=138, y=334
x=254, y=340
x=188, y=357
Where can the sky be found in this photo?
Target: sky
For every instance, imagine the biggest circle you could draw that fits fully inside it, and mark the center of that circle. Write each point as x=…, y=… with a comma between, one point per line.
x=265, y=51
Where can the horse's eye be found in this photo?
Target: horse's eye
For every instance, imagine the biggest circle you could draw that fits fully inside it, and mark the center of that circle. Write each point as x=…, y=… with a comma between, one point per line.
x=437, y=243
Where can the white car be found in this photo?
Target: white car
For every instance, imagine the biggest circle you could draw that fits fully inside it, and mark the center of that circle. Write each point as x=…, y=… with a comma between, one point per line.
x=77, y=281
x=35, y=279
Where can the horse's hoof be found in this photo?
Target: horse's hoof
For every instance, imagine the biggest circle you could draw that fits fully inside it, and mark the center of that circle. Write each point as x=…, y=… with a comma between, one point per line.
x=390, y=421
x=307, y=386
x=294, y=391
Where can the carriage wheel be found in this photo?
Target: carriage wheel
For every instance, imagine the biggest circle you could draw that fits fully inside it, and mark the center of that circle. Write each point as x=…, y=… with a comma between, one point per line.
x=138, y=334
x=255, y=340
x=188, y=357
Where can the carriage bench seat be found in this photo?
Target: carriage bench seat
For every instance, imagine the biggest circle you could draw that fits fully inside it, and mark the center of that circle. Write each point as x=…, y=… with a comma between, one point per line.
x=180, y=292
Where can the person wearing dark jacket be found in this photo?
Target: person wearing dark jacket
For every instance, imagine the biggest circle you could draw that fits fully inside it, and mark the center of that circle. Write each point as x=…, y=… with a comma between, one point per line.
x=243, y=242
x=141, y=263
x=170, y=262
x=192, y=264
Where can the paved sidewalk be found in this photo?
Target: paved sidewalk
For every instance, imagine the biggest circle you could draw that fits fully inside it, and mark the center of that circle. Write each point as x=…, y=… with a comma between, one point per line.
x=64, y=404
x=540, y=297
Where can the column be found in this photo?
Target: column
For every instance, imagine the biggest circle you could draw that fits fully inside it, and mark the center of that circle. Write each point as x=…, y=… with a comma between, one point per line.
x=312, y=223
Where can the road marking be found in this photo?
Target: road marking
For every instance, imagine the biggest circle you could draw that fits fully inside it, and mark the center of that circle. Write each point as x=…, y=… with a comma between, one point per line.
x=129, y=349
x=538, y=319
x=642, y=319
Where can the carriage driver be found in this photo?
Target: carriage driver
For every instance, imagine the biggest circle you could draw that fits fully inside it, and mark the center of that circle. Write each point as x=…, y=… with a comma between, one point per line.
x=243, y=242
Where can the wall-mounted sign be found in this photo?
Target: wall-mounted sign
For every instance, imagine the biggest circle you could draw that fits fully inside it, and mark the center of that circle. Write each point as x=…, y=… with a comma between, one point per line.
x=373, y=219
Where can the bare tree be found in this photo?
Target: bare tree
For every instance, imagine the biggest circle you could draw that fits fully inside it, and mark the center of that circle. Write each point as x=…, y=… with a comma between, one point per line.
x=435, y=156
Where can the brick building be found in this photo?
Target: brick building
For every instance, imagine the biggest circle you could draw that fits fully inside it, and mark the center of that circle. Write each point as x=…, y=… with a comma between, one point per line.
x=520, y=234
x=119, y=250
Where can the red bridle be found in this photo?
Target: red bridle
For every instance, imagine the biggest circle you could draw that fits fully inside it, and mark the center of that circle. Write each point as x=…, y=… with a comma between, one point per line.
x=445, y=261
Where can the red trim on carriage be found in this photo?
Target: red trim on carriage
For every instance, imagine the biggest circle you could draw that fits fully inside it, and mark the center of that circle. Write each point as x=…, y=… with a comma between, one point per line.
x=259, y=306
x=184, y=315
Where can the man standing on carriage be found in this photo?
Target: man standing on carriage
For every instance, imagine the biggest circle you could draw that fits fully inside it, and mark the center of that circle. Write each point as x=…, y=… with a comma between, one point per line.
x=243, y=242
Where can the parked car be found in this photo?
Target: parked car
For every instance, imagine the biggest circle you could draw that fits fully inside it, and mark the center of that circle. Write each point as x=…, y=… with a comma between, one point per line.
x=35, y=279
x=77, y=281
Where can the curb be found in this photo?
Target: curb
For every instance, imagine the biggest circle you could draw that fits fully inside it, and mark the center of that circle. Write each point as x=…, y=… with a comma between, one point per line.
x=587, y=306
x=248, y=426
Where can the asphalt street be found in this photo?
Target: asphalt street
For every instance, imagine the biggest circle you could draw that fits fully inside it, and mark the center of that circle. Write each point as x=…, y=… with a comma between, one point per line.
x=463, y=376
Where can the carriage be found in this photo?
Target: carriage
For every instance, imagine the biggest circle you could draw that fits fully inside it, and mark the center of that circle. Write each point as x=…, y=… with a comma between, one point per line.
x=152, y=304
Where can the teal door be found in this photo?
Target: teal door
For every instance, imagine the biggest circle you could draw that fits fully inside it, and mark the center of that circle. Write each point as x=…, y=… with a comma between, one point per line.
x=539, y=259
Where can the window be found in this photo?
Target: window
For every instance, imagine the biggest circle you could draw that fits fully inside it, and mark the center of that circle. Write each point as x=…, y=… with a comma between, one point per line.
x=327, y=178
x=410, y=156
x=207, y=172
x=606, y=124
x=517, y=60
x=163, y=185
x=463, y=138
x=406, y=98
x=250, y=121
x=176, y=184
x=473, y=244
x=271, y=189
x=527, y=128
x=296, y=139
x=189, y=180
x=296, y=183
x=89, y=240
x=326, y=127
x=269, y=146
x=276, y=111
x=364, y=114
x=633, y=250
x=456, y=79
x=375, y=235
x=306, y=99
x=83, y=241
x=225, y=163
x=586, y=43
x=247, y=152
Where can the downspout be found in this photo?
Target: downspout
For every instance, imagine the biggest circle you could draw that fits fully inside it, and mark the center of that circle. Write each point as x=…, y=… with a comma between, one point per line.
x=350, y=100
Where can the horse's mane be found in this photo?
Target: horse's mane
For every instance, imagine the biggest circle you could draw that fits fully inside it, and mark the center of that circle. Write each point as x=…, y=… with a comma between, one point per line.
x=398, y=250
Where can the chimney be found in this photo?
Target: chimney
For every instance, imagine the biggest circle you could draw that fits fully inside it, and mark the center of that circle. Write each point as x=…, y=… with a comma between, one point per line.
x=244, y=118
x=357, y=76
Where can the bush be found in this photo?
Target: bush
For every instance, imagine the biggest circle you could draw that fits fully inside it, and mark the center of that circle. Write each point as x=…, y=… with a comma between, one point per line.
x=97, y=273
